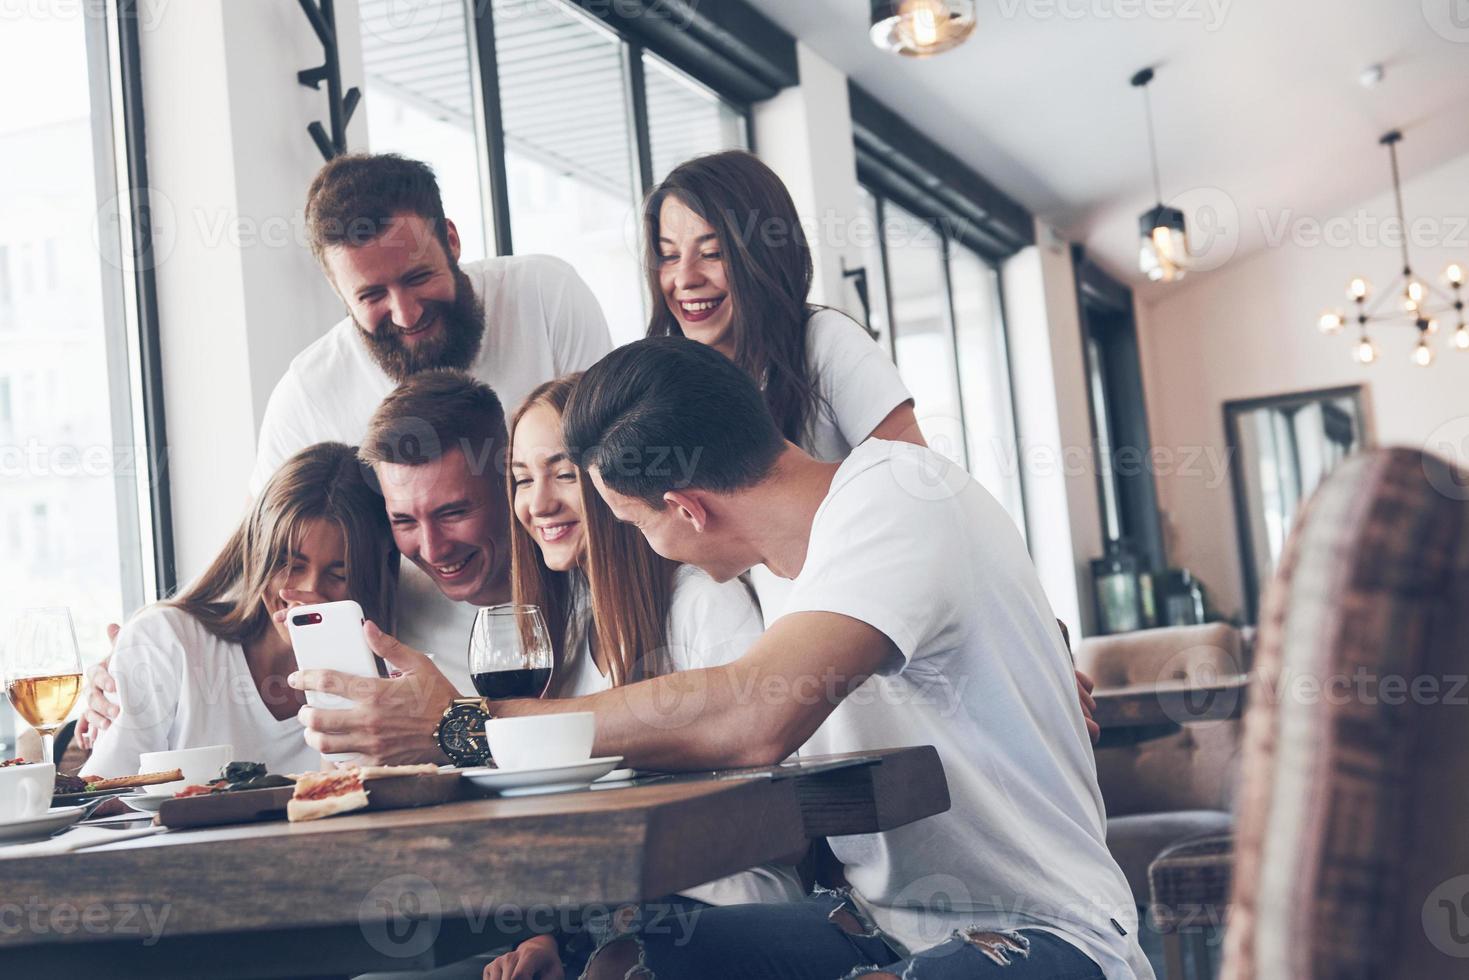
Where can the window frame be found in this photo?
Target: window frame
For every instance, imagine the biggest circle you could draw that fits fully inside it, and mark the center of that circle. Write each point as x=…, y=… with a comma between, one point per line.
x=128, y=173
x=882, y=201
x=633, y=48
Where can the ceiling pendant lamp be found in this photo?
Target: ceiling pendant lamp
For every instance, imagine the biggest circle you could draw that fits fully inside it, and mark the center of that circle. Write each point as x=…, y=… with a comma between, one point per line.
x=1413, y=295
x=921, y=28
x=1163, y=254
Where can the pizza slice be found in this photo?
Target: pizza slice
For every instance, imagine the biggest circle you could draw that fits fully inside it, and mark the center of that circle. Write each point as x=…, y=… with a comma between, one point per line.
x=325, y=794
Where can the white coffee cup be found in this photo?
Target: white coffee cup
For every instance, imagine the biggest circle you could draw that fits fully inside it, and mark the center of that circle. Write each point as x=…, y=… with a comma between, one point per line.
x=540, y=741
x=199, y=765
x=25, y=791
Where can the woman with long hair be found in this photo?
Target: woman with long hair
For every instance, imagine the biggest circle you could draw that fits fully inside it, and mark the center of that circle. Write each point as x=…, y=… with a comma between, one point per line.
x=209, y=666
x=728, y=265
x=617, y=613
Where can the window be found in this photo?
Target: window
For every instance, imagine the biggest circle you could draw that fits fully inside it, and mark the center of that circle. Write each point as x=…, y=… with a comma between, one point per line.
x=1126, y=490
x=923, y=329
x=7, y=291
x=685, y=119
x=570, y=154
x=560, y=170
x=984, y=378
x=869, y=280
x=421, y=101
x=938, y=304
x=74, y=420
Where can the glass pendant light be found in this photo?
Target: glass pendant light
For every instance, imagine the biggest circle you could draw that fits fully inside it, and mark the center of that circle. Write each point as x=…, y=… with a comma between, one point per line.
x=921, y=28
x=1409, y=300
x=1163, y=253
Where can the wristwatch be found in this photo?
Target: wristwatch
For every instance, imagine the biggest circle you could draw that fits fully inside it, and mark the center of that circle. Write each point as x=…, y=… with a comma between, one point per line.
x=461, y=732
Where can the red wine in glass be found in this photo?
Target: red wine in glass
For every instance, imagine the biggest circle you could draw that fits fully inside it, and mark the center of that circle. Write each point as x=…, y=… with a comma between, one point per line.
x=523, y=682
x=510, y=652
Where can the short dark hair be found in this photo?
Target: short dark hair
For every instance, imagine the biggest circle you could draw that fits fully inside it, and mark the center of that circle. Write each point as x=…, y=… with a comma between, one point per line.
x=354, y=197
x=668, y=413
x=432, y=413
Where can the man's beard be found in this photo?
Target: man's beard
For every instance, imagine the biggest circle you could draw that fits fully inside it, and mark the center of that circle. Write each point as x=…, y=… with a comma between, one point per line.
x=462, y=324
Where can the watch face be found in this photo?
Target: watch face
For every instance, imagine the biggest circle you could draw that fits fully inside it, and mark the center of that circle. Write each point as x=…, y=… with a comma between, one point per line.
x=461, y=735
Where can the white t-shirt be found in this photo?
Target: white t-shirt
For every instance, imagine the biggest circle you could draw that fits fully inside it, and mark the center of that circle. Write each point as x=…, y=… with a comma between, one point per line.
x=541, y=322
x=859, y=386
x=179, y=687
x=908, y=543
x=709, y=624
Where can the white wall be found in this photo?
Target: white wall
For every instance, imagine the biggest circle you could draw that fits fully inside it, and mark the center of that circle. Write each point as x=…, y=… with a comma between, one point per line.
x=1053, y=418
x=805, y=135
x=239, y=292
x=1248, y=330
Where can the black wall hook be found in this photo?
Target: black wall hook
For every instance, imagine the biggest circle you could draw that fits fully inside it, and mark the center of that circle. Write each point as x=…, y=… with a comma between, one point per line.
x=324, y=22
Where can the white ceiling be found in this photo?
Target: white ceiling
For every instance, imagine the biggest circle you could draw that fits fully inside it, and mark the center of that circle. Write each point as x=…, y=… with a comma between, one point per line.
x=1259, y=111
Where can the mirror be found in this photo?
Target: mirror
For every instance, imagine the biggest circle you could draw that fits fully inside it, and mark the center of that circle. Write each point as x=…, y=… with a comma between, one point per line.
x=1282, y=448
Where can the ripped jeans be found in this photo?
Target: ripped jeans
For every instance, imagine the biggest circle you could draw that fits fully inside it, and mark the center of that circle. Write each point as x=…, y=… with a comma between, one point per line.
x=825, y=937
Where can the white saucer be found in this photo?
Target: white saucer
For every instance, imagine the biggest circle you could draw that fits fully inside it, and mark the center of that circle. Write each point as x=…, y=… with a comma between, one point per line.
x=35, y=828
x=146, y=802
x=617, y=776
x=546, y=779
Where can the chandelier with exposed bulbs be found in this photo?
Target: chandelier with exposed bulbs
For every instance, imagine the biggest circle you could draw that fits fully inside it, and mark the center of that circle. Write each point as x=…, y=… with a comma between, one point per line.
x=1408, y=301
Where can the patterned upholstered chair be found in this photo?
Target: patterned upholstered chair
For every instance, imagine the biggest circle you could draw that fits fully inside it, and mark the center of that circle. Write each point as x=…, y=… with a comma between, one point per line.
x=1179, y=786
x=1351, y=847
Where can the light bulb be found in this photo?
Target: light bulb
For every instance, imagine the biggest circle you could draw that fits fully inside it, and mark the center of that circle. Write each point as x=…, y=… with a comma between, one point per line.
x=1366, y=351
x=920, y=28
x=1461, y=337
x=1359, y=289
x=1454, y=274
x=1331, y=322
x=1431, y=326
x=1415, y=290
x=1163, y=254
x=925, y=27
x=1423, y=354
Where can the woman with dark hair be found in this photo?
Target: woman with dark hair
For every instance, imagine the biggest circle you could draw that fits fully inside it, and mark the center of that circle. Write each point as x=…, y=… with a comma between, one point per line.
x=729, y=266
x=617, y=613
x=209, y=667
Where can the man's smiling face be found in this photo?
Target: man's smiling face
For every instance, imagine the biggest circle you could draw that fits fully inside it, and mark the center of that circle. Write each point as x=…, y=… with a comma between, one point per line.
x=415, y=308
x=451, y=519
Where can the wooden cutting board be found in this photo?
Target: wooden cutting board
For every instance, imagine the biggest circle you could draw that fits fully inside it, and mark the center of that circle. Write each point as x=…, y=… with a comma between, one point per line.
x=252, y=805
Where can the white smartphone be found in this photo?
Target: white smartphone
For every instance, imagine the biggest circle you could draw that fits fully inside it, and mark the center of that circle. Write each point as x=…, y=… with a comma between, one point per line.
x=329, y=636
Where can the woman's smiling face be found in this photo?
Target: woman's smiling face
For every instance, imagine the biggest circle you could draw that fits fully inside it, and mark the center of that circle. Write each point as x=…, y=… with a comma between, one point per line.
x=547, y=489
x=692, y=275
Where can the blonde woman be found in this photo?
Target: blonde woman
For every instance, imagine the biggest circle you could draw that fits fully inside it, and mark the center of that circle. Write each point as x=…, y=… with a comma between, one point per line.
x=209, y=667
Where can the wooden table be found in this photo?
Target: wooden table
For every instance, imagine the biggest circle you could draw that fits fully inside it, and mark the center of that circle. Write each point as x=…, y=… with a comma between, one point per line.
x=1139, y=712
x=409, y=889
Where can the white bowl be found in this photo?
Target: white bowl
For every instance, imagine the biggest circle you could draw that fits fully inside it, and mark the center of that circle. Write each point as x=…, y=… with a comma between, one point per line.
x=539, y=741
x=199, y=765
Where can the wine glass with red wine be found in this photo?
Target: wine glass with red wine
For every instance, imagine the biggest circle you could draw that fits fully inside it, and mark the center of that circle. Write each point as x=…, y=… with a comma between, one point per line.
x=510, y=652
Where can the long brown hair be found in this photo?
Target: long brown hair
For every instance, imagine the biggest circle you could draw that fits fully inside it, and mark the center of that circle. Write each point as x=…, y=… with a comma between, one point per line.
x=321, y=482
x=768, y=262
x=631, y=585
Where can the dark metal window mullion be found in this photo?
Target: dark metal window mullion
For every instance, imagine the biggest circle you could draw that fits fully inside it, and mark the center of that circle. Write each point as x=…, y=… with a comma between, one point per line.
x=879, y=208
x=489, y=78
x=954, y=339
x=146, y=283
x=637, y=85
x=1014, y=406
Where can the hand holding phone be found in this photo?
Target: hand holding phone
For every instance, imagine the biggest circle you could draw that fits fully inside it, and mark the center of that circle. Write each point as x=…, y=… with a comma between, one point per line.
x=328, y=636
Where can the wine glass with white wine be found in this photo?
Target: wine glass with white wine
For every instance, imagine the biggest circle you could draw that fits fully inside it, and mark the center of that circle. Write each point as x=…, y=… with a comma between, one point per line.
x=43, y=671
